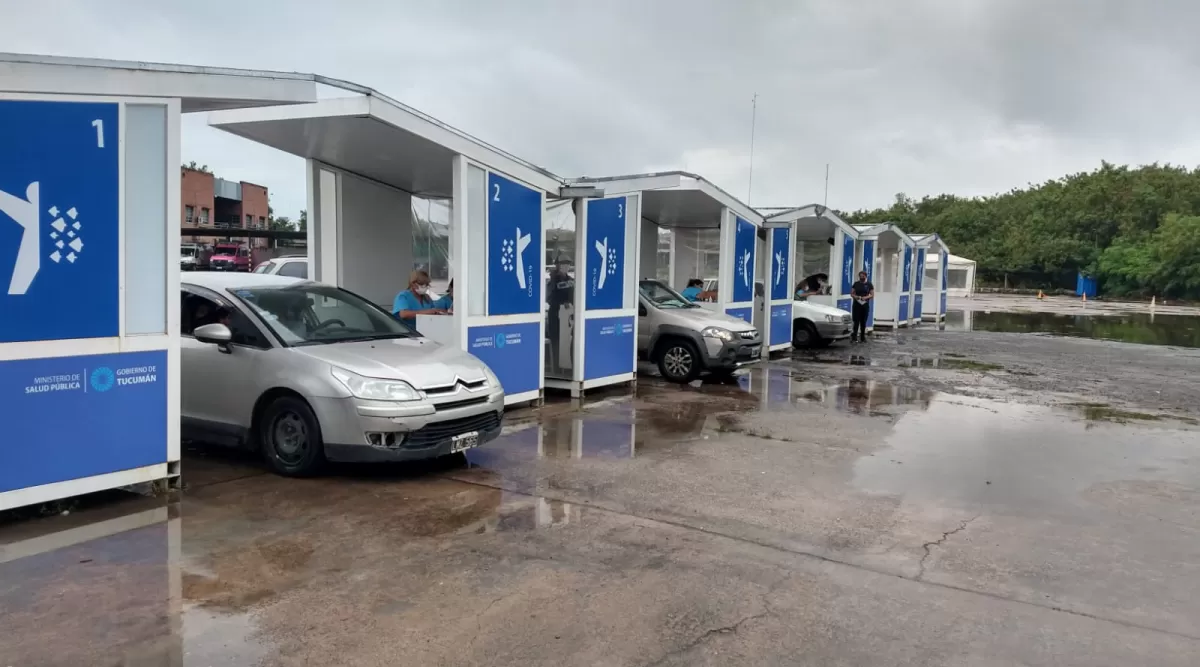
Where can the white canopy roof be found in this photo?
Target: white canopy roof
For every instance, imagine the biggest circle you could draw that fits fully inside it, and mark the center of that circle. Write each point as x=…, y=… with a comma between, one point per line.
x=199, y=88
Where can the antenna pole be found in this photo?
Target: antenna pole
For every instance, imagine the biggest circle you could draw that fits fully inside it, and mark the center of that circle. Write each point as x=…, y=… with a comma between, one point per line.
x=753, y=118
x=826, y=202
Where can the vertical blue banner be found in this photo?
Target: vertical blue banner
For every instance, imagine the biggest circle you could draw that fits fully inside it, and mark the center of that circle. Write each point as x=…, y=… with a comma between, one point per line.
x=72, y=417
x=868, y=265
x=906, y=277
x=781, y=324
x=512, y=351
x=514, y=265
x=918, y=305
x=605, y=247
x=781, y=238
x=59, y=220
x=743, y=262
x=920, y=270
x=847, y=263
x=609, y=347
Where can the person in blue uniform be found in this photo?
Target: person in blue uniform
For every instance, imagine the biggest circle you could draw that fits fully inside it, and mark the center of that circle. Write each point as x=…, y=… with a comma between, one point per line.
x=694, y=287
x=415, y=300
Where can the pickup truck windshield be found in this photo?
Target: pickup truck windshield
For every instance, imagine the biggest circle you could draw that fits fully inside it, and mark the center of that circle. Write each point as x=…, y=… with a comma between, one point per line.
x=315, y=314
x=663, y=296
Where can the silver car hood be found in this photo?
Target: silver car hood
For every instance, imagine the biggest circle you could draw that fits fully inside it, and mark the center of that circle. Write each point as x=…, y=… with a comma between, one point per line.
x=418, y=361
x=703, y=317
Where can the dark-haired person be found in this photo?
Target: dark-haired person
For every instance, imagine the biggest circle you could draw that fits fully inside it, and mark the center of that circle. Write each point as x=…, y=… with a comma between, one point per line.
x=862, y=292
x=812, y=285
x=694, y=287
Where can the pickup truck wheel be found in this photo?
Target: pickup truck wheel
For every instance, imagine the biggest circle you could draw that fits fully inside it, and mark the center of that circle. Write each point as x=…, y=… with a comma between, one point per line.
x=291, y=438
x=804, y=335
x=678, y=361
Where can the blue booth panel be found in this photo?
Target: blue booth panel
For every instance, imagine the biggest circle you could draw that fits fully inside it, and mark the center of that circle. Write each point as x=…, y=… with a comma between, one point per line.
x=72, y=417
x=59, y=219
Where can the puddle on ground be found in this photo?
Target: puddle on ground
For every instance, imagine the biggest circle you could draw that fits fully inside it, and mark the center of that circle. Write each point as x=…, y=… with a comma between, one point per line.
x=975, y=451
x=1145, y=328
x=945, y=361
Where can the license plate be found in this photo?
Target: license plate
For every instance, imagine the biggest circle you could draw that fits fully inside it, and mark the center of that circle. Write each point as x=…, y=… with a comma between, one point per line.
x=754, y=352
x=465, y=441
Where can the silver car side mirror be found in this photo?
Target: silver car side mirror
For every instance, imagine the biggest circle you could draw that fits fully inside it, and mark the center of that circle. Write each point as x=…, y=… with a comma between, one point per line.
x=214, y=334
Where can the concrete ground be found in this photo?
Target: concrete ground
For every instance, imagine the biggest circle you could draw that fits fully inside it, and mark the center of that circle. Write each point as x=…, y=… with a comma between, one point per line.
x=930, y=498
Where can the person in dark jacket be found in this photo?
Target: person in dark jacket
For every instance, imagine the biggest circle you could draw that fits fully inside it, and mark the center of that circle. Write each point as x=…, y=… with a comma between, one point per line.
x=862, y=292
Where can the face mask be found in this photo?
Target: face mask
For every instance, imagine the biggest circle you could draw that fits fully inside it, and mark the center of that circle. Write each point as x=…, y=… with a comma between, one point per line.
x=421, y=290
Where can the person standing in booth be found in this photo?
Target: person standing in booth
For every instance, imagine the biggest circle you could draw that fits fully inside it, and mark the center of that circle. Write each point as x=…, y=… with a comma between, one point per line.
x=862, y=292
x=415, y=300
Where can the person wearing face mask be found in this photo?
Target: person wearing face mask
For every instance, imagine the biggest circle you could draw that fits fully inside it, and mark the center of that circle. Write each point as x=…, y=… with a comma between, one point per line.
x=415, y=300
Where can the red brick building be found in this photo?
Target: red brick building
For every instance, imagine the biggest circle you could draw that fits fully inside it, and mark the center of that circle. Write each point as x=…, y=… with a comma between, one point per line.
x=214, y=203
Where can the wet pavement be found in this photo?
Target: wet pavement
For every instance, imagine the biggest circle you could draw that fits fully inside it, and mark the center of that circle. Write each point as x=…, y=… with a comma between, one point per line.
x=860, y=511
x=1144, y=328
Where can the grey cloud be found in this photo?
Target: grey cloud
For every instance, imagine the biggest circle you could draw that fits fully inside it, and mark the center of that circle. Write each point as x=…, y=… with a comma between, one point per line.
x=922, y=96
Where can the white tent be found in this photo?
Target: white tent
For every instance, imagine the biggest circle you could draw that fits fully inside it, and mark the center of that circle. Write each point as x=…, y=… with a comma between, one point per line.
x=960, y=274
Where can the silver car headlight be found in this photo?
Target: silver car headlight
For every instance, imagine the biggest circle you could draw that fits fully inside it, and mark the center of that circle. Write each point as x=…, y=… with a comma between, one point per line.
x=717, y=332
x=376, y=389
x=493, y=381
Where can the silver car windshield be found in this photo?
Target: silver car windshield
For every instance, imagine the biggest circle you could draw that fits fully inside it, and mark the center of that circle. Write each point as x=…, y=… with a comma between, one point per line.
x=663, y=296
x=315, y=314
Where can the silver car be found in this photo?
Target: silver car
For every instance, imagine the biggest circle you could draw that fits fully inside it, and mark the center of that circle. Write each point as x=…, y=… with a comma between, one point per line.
x=684, y=339
x=308, y=372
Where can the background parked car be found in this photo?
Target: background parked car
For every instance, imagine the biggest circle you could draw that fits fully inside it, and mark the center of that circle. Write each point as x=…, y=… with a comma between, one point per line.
x=292, y=266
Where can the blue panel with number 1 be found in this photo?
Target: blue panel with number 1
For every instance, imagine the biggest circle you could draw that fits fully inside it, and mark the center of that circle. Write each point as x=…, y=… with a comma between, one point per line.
x=59, y=220
x=514, y=265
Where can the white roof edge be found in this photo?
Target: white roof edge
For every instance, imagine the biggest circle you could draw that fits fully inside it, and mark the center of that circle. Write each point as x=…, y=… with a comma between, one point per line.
x=813, y=210
x=30, y=73
x=143, y=66
x=876, y=230
x=679, y=180
x=930, y=240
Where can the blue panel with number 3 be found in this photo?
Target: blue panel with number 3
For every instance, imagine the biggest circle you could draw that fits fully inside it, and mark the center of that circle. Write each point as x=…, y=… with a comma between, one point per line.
x=781, y=238
x=59, y=220
x=605, y=253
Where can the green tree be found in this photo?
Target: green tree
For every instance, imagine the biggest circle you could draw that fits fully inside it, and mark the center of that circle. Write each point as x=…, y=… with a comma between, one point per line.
x=1133, y=228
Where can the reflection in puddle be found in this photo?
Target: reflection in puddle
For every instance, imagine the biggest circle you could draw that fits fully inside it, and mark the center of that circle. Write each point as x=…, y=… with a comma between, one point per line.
x=1145, y=328
x=944, y=361
x=864, y=397
x=975, y=451
x=518, y=512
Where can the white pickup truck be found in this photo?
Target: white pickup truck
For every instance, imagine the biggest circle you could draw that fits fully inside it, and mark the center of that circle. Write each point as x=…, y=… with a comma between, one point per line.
x=813, y=324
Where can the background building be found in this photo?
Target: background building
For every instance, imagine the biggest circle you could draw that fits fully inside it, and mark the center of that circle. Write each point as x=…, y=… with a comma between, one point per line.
x=214, y=203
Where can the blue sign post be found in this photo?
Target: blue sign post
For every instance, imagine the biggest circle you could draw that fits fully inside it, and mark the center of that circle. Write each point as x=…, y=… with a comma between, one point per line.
x=919, y=288
x=59, y=220
x=781, y=248
x=609, y=343
x=514, y=226
x=744, y=261
x=904, y=313
x=606, y=245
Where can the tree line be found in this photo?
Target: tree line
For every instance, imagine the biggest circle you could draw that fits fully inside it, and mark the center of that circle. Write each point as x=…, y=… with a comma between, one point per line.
x=1135, y=229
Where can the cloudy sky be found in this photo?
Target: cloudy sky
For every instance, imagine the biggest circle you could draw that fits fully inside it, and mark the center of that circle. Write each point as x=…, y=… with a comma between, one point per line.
x=915, y=96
